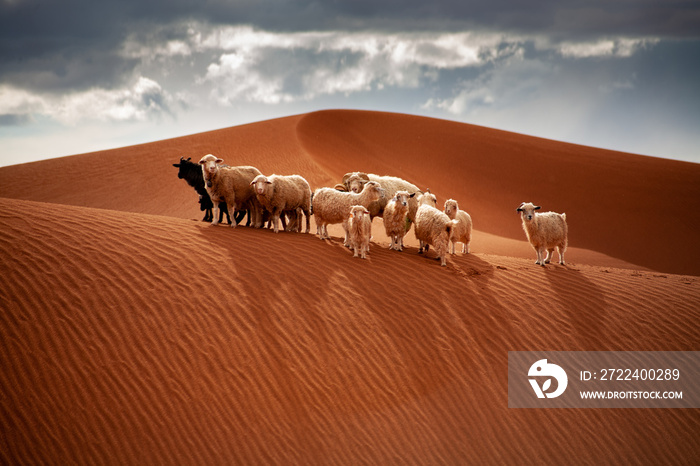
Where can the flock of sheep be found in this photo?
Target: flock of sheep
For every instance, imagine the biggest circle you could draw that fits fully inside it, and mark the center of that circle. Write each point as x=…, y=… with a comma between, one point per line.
x=354, y=202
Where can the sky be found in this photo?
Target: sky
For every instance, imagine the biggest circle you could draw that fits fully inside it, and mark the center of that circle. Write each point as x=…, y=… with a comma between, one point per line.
x=79, y=76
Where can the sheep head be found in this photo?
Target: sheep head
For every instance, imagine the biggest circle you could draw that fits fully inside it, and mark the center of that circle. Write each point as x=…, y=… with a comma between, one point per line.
x=402, y=197
x=260, y=184
x=428, y=198
x=355, y=181
x=374, y=190
x=527, y=210
x=357, y=212
x=451, y=208
x=209, y=165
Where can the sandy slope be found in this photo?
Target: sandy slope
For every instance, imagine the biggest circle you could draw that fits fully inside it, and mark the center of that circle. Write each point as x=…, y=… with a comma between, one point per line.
x=134, y=333
x=639, y=210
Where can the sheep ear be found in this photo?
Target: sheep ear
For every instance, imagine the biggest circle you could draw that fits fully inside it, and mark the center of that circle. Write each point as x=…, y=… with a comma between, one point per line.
x=412, y=194
x=520, y=207
x=219, y=160
x=201, y=162
x=268, y=182
x=345, y=178
x=537, y=207
x=364, y=176
x=176, y=165
x=252, y=182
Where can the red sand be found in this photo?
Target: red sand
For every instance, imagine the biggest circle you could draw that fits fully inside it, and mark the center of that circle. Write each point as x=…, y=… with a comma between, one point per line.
x=134, y=333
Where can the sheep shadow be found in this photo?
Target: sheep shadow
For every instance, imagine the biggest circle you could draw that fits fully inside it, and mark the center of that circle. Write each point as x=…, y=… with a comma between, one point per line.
x=582, y=300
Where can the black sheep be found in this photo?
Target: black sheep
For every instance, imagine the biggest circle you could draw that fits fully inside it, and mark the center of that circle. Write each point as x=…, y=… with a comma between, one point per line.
x=192, y=173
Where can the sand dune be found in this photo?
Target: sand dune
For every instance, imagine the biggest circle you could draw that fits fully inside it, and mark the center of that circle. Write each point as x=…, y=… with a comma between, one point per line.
x=134, y=333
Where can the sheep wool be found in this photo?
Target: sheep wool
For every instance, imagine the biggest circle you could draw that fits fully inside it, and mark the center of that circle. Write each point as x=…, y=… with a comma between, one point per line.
x=360, y=229
x=331, y=206
x=545, y=232
x=280, y=194
x=434, y=228
x=232, y=186
x=395, y=214
x=462, y=232
x=356, y=180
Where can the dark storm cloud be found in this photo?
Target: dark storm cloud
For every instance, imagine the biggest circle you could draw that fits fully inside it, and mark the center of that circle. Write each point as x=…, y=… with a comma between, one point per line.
x=72, y=44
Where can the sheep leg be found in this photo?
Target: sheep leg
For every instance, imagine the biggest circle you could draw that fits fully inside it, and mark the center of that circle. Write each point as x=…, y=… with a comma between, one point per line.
x=276, y=220
x=228, y=217
x=540, y=257
x=215, y=213
x=232, y=213
x=465, y=248
x=307, y=214
x=550, y=253
x=561, y=255
x=346, y=227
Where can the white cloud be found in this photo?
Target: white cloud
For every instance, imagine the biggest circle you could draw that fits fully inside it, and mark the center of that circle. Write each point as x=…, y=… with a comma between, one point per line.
x=143, y=99
x=618, y=47
x=335, y=62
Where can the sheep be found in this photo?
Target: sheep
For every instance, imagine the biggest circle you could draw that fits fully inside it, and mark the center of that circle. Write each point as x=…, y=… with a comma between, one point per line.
x=462, y=233
x=279, y=194
x=394, y=217
x=231, y=185
x=433, y=227
x=355, y=181
x=331, y=206
x=545, y=231
x=360, y=228
x=192, y=174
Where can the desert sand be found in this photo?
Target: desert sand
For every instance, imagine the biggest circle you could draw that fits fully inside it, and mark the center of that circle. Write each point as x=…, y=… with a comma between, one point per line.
x=134, y=333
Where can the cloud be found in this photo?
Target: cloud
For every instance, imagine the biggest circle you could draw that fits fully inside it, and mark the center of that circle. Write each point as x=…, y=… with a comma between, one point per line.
x=267, y=67
x=616, y=47
x=144, y=99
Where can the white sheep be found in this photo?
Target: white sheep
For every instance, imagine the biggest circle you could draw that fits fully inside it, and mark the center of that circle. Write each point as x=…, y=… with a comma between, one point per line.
x=360, y=229
x=545, y=231
x=356, y=180
x=433, y=227
x=462, y=232
x=395, y=214
x=331, y=206
x=278, y=194
x=231, y=185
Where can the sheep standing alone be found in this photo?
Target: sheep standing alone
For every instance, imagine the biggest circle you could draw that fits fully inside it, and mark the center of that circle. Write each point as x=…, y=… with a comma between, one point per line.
x=462, y=232
x=192, y=173
x=331, y=206
x=356, y=180
x=433, y=227
x=394, y=217
x=231, y=185
x=360, y=228
x=278, y=194
x=545, y=231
